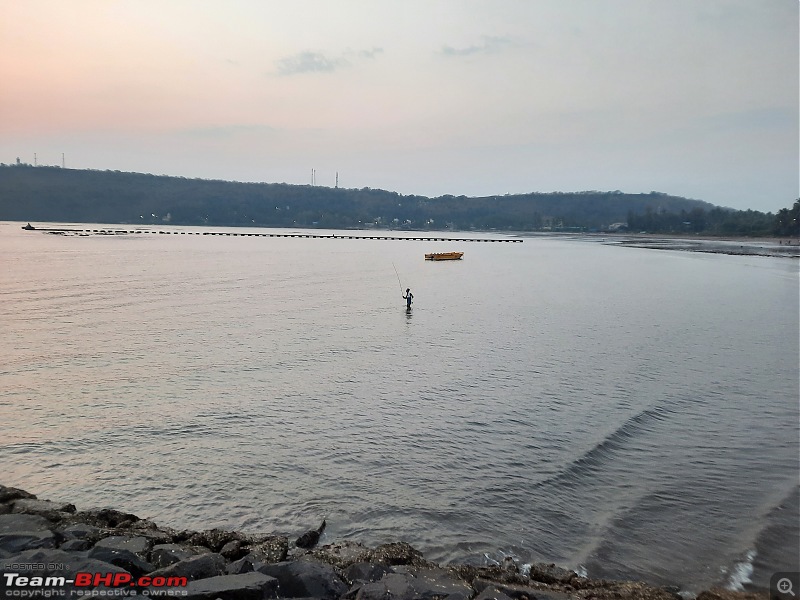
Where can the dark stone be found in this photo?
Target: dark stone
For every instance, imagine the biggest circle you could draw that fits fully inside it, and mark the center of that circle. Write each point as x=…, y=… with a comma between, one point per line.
x=215, y=539
x=310, y=538
x=492, y=593
x=233, y=550
x=518, y=591
x=7, y=494
x=271, y=549
x=398, y=553
x=365, y=572
x=126, y=559
x=106, y=518
x=20, y=522
x=54, y=511
x=81, y=531
x=137, y=545
x=14, y=542
x=237, y=567
x=306, y=578
x=196, y=567
x=424, y=584
x=75, y=545
x=163, y=555
x=247, y=586
x=550, y=573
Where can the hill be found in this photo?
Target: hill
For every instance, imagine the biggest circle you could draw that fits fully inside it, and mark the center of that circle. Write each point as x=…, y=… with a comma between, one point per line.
x=30, y=193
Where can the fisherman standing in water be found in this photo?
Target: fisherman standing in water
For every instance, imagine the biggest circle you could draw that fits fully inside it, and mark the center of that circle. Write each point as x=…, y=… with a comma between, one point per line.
x=408, y=296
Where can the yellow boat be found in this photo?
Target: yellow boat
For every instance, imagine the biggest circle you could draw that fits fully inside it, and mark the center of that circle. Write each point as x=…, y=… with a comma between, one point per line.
x=444, y=256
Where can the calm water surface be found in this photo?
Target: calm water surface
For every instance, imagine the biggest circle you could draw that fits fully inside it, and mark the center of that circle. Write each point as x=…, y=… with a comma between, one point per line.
x=625, y=412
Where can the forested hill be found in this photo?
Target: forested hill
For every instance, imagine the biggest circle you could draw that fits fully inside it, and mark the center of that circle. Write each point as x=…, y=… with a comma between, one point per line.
x=39, y=194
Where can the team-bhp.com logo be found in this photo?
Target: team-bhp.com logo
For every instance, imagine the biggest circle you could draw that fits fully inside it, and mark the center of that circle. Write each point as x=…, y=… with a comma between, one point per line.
x=92, y=584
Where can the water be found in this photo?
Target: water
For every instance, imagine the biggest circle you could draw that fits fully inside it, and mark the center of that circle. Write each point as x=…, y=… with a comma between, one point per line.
x=626, y=412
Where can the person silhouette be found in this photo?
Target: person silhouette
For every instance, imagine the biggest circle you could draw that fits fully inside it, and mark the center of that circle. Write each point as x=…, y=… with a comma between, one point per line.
x=407, y=297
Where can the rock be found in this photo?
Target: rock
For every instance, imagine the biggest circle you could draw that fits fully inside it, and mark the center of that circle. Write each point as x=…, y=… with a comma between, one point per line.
x=270, y=549
x=518, y=591
x=14, y=542
x=365, y=572
x=196, y=567
x=306, y=578
x=53, y=511
x=121, y=557
x=398, y=553
x=22, y=522
x=163, y=555
x=215, y=539
x=719, y=594
x=550, y=573
x=81, y=531
x=137, y=545
x=243, y=565
x=425, y=583
x=75, y=545
x=492, y=593
x=310, y=538
x=232, y=550
x=106, y=518
x=7, y=494
x=248, y=586
x=342, y=554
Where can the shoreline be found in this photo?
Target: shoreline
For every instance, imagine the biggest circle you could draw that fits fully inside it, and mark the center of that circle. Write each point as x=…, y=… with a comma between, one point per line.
x=730, y=245
x=48, y=539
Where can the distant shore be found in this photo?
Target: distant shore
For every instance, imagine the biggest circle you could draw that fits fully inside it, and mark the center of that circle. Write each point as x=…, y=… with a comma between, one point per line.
x=108, y=552
x=744, y=246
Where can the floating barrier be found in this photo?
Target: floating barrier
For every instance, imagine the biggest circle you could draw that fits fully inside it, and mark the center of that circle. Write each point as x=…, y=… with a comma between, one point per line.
x=327, y=236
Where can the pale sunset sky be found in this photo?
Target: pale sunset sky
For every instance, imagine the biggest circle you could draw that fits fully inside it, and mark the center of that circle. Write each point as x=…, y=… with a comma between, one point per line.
x=696, y=98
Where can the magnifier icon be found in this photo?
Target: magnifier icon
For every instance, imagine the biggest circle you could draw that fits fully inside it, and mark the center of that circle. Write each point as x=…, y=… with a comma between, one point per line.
x=785, y=586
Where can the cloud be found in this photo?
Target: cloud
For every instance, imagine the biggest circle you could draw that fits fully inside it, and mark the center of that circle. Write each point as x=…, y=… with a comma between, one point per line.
x=316, y=62
x=371, y=53
x=309, y=62
x=490, y=45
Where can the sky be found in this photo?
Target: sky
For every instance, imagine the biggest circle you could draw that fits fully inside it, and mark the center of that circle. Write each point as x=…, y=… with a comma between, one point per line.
x=695, y=98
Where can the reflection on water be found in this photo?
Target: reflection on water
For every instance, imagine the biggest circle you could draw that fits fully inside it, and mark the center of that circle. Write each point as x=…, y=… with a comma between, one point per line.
x=630, y=411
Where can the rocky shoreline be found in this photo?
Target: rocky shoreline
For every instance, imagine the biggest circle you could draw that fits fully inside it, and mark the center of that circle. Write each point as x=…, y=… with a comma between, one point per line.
x=50, y=549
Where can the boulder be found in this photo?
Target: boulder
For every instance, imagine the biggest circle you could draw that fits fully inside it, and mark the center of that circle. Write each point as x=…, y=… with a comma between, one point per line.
x=14, y=542
x=163, y=555
x=81, y=531
x=247, y=586
x=423, y=584
x=138, y=545
x=237, y=567
x=306, y=578
x=550, y=573
x=365, y=572
x=201, y=566
x=22, y=522
x=106, y=518
x=121, y=557
x=75, y=545
x=7, y=494
x=53, y=511
x=270, y=549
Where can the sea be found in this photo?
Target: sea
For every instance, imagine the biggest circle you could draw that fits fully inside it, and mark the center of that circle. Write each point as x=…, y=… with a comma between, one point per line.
x=625, y=412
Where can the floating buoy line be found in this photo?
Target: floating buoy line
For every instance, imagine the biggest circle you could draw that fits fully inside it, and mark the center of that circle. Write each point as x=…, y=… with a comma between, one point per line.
x=328, y=236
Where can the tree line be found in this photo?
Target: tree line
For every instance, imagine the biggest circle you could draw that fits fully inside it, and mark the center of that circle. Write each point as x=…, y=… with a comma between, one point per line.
x=29, y=193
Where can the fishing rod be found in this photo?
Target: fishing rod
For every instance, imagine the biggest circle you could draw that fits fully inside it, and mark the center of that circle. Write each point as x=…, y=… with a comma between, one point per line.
x=398, y=278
